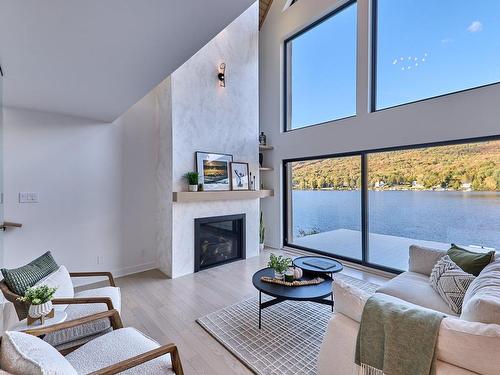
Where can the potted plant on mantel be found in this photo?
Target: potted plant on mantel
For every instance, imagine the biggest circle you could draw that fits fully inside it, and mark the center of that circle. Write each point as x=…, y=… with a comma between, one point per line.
x=280, y=265
x=192, y=179
x=262, y=232
x=40, y=300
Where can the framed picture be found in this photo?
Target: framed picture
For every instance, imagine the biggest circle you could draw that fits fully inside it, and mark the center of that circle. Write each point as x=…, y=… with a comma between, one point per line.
x=213, y=170
x=239, y=176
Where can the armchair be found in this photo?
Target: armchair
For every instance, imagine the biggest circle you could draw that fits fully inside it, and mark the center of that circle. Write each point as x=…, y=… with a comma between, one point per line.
x=124, y=350
x=84, y=303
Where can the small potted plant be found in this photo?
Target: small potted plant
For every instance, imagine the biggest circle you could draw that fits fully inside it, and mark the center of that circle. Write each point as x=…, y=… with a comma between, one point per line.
x=40, y=300
x=192, y=179
x=262, y=232
x=280, y=265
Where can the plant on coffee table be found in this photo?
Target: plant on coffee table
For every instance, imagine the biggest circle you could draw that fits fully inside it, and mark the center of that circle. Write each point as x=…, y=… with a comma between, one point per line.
x=280, y=264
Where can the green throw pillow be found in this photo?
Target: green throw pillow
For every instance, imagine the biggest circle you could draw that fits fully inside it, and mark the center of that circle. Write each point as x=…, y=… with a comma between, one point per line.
x=20, y=279
x=469, y=261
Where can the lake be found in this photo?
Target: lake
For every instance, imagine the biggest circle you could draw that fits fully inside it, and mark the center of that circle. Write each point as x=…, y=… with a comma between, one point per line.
x=467, y=218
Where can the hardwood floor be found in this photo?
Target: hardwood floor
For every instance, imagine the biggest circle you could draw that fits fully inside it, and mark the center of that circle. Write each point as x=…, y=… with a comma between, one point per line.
x=166, y=309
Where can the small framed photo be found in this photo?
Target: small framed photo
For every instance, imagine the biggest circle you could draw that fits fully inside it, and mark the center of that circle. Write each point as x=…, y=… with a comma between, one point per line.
x=213, y=170
x=239, y=176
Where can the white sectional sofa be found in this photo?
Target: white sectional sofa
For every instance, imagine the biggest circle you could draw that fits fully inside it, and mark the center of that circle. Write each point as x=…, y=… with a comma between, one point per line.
x=467, y=344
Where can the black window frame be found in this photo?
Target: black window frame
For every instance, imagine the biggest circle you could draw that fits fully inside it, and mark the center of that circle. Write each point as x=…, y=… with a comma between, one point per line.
x=365, y=232
x=374, y=21
x=287, y=66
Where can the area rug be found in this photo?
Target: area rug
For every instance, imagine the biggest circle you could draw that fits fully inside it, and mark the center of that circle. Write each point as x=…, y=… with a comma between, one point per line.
x=289, y=340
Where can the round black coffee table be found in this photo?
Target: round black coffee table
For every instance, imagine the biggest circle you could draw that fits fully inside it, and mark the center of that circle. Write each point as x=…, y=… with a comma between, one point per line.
x=313, y=293
x=307, y=263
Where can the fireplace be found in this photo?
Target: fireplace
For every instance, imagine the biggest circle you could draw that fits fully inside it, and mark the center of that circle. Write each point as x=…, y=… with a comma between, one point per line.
x=218, y=240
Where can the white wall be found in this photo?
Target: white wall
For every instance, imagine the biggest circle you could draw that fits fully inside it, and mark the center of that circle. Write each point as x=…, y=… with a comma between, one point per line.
x=207, y=117
x=96, y=184
x=463, y=115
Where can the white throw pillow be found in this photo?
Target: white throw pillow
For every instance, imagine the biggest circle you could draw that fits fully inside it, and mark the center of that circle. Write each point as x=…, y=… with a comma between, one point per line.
x=61, y=280
x=25, y=354
x=482, y=300
x=452, y=286
x=444, y=264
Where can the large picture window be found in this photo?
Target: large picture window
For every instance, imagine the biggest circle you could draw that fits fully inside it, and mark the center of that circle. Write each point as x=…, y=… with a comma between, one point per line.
x=431, y=196
x=428, y=48
x=321, y=71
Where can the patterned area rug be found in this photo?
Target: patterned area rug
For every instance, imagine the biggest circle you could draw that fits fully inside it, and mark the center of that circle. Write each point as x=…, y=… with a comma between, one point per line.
x=289, y=340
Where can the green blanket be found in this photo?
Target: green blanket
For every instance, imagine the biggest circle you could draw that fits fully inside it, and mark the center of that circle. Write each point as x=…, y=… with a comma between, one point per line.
x=396, y=338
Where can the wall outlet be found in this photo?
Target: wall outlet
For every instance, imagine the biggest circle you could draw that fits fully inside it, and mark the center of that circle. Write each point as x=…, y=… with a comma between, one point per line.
x=100, y=259
x=28, y=197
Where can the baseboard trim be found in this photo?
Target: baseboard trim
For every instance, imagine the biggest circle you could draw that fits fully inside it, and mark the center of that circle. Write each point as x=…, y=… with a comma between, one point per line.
x=120, y=272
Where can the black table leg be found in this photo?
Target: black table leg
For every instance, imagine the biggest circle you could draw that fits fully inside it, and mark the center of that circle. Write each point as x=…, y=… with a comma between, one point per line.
x=260, y=308
x=332, y=302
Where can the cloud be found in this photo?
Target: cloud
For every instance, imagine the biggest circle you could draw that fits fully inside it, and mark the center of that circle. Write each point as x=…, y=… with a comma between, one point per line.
x=475, y=27
x=447, y=40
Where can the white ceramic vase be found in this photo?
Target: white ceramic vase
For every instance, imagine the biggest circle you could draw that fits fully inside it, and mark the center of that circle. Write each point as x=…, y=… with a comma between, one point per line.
x=36, y=311
x=279, y=275
x=193, y=187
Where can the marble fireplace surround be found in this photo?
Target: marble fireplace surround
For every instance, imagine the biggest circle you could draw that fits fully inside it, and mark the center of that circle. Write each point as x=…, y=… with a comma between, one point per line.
x=196, y=114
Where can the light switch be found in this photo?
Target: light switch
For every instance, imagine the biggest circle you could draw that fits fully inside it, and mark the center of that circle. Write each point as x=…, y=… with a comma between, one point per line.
x=28, y=197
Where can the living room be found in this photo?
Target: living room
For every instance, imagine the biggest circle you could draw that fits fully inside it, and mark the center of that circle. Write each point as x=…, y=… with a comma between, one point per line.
x=265, y=190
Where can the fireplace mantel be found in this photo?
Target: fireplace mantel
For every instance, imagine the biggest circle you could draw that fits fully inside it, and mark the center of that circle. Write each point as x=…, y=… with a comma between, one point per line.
x=202, y=196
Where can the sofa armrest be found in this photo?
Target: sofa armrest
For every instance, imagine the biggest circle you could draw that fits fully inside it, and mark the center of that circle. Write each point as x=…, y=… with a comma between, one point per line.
x=349, y=299
x=423, y=259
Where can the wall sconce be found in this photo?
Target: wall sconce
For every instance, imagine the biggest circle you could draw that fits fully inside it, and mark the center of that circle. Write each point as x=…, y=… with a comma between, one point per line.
x=222, y=75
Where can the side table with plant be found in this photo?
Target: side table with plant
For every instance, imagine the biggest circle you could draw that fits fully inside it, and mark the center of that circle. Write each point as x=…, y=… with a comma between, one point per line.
x=280, y=265
x=192, y=179
x=40, y=301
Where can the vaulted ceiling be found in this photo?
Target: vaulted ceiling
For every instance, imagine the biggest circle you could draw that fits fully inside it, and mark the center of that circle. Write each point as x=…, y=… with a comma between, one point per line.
x=264, y=6
x=95, y=58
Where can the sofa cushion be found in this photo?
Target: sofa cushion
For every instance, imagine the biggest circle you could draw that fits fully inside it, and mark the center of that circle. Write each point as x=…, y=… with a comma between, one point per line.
x=20, y=279
x=115, y=347
x=423, y=259
x=25, y=354
x=469, y=261
x=470, y=345
x=452, y=286
x=87, y=330
x=482, y=300
x=414, y=288
x=60, y=280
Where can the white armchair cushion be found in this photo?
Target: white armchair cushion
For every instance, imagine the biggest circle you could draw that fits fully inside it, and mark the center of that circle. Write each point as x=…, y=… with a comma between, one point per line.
x=115, y=347
x=88, y=330
x=61, y=280
x=423, y=259
x=23, y=354
x=482, y=299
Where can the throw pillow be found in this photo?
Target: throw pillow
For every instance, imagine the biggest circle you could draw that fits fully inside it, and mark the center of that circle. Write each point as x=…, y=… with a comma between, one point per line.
x=62, y=281
x=444, y=264
x=452, y=286
x=469, y=261
x=21, y=353
x=20, y=279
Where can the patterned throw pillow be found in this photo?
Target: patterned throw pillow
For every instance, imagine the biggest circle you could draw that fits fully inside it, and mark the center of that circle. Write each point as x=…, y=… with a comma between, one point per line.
x=20, y=279
x=444, y=264
x=452, y=286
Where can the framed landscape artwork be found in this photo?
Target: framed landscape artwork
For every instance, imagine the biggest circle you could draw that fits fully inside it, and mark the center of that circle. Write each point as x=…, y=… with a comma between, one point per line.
x=239, y=176
x=213, y=170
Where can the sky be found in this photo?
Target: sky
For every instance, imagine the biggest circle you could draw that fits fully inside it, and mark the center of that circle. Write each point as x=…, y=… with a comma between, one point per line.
x=425, y=48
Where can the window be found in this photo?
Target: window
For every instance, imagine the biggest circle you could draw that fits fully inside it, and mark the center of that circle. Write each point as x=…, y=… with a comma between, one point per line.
x=431, y=196
x=321, y=71
x=326, y=205
x=427, y=48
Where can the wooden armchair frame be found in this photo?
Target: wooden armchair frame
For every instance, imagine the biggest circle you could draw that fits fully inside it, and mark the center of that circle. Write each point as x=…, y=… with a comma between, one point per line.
x=22, y=307
x=116, y=323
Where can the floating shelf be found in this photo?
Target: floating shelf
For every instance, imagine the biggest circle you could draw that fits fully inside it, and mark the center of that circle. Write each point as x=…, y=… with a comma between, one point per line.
x=262, y=169
x=203, y=196
x=265, y=147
